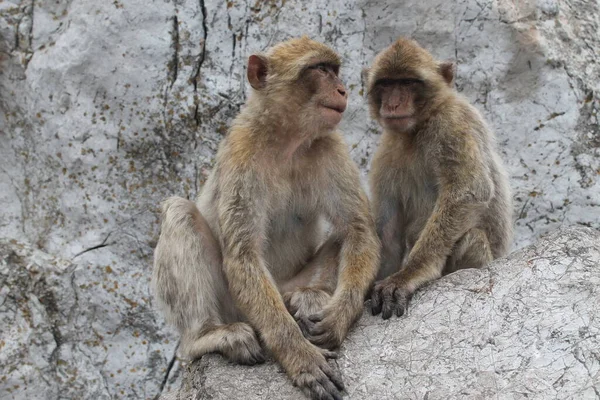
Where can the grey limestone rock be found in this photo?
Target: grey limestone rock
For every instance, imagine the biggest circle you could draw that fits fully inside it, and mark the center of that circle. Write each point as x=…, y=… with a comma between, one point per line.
x=108, y=107
x=526, y=327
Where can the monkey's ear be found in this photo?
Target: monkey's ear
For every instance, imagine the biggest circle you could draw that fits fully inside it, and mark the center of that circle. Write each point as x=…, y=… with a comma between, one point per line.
x=447, y=70
x=257, y=71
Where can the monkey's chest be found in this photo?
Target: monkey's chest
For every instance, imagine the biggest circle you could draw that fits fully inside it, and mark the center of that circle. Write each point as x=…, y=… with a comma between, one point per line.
x=418, y=195
x=292, y=239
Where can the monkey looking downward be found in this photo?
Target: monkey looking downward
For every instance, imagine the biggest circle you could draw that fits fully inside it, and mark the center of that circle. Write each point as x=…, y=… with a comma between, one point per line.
x=441, y=198
x=253, y=251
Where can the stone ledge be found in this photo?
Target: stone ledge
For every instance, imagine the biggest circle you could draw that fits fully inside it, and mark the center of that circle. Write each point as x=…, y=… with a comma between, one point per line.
x=524, y=327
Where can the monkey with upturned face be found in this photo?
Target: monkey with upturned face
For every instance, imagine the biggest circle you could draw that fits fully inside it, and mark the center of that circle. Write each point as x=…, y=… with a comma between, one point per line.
x=441, y=198
x=252, y=258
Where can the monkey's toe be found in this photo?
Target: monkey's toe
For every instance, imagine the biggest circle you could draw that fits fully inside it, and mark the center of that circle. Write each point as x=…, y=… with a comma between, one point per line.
x=321, y=383
x=243, y=345
x=388, y=298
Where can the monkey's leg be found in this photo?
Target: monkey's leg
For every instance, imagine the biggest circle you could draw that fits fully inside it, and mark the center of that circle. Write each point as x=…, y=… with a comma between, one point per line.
x=473, y=250
x=237, y=341
x=192, y=290
x=311, y=289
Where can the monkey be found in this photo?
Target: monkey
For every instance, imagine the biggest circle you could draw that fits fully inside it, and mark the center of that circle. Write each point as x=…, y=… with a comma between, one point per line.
x=440, y=194
x=280, y=247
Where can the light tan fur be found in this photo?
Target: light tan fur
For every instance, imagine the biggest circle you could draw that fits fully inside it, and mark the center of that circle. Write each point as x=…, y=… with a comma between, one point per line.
x=282, y=217
x=441, y=198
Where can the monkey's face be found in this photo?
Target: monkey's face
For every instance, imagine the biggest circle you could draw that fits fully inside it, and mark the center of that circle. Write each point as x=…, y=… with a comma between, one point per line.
x=403, y=83
x=299, y=79
x=323, y=93
x=396, y=102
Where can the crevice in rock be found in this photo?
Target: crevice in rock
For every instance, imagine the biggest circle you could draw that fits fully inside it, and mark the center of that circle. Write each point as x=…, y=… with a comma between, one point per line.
x=167, y=372
x=18, y=24
x=47, y=299
x=234, y=40
x=29, y=49
x=200, y=62
x=174, y=63
x=31, y=12
x=96, y=247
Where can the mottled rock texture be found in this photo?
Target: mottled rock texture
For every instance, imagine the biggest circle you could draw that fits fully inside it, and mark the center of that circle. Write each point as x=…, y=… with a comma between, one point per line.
x=107, y=107
x=527, y=326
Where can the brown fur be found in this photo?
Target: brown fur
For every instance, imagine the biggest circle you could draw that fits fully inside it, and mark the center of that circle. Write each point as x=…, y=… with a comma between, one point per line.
x=282, y=217
x=441, y=198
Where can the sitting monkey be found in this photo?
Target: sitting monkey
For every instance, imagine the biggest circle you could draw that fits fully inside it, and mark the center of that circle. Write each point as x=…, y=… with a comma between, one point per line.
x=252, y=251
x=441, y=198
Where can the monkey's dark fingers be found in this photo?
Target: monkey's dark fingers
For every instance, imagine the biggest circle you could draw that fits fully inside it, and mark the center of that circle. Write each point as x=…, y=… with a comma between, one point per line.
x=317, y=329
x=259, y=358
x=318, y=386
x=305, y=325
x=388, y=302
x=318, y=317
x=330, y=388
x=315, y=391
x=333, y=377
x=320, y=340
x=255, y=350
x=401, y=300
x=328, y=354
x=376, y=300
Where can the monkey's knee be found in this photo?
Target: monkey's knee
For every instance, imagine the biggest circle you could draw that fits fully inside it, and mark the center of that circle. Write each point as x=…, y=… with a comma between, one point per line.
x=473, y=250
x=237, y=342
x=176, y=209
x=187, y=277
x=304, y=302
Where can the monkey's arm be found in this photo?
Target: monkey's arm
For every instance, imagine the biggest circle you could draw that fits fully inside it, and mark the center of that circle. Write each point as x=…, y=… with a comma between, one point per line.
x=465, y=189
x=359, y=258
x=388, y=224
x=242, y=217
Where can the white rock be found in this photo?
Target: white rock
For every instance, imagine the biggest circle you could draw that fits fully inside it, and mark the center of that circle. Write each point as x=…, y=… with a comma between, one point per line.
x=106, y=108
x=527, y=326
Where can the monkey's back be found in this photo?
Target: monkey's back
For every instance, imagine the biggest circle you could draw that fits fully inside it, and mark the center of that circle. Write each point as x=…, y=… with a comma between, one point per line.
x=496, y=220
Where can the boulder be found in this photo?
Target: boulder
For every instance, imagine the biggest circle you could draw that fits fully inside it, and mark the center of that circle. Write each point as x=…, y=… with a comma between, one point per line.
x=525, y=327
x=108, y=107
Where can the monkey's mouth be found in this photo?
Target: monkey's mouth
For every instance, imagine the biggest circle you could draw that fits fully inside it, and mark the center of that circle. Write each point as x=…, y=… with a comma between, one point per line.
x=339, y=108
x=397, y=117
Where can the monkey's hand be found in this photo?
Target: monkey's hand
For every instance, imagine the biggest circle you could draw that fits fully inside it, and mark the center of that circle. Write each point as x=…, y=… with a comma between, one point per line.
x=308, y=368
x=304, y=302
x=389, y=295
x=322, y=329
x=329, y=327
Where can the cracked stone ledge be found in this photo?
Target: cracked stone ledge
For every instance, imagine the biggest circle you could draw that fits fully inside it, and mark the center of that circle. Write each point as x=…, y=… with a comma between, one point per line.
x=524, y=327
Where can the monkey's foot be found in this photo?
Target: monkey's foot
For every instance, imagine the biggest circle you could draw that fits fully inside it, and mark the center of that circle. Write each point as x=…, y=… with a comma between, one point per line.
x=237, y=342
x=310, y=371
x=389, y=295
x=304, y=302
x=241, y=345
x=329, y=327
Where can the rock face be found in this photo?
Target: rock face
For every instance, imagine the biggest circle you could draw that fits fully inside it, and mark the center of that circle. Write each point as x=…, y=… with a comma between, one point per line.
x=527, y=326
x=106, y=108
x=63, y=337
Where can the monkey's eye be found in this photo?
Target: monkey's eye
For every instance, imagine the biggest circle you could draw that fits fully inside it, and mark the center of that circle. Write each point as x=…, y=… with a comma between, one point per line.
x=323, y=67
x=411, y=81
x=385, y=82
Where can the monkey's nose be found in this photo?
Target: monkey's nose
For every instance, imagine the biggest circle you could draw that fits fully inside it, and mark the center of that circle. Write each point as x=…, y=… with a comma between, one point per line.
x=342, y=91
